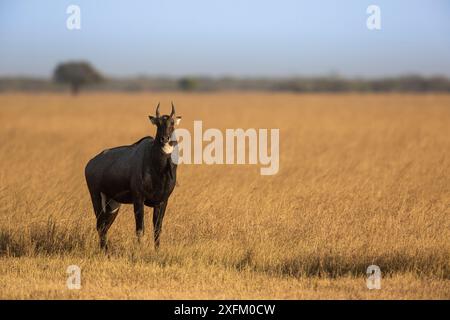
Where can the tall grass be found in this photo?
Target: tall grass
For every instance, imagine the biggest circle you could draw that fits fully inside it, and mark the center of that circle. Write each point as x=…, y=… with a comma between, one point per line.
x=363, y=180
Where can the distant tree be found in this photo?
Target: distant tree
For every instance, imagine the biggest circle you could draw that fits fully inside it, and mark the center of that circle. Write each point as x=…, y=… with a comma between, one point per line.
x=188, y=84
x=76, y=74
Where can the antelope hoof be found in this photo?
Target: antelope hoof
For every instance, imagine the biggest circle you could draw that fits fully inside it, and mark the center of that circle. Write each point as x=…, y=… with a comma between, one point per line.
x=139, y=235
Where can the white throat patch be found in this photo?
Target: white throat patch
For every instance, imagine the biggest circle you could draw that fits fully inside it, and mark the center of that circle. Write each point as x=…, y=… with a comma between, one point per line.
x=167, y=148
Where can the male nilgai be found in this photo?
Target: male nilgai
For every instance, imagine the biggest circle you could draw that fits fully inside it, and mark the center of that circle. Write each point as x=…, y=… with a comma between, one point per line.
x=140, y=174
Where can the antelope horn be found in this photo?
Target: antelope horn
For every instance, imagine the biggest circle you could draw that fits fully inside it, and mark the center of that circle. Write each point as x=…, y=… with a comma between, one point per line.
x=173, y=110
x=157, y=111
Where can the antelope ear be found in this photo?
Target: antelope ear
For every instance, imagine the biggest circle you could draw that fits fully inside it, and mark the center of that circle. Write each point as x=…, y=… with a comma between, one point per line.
x=153, y=120
x=177, y=120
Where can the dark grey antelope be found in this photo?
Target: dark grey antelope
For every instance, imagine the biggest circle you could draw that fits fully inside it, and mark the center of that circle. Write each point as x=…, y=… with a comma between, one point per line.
x=140, y=174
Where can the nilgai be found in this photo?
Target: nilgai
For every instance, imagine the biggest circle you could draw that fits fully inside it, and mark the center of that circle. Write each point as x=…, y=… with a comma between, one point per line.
x=140, y=174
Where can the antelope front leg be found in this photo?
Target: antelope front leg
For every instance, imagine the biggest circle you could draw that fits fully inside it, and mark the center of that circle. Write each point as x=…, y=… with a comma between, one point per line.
x=158, y=216
x=139, y=217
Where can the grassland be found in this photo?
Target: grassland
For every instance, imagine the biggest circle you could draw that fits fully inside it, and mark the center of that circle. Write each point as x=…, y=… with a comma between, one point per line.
x=364, y=179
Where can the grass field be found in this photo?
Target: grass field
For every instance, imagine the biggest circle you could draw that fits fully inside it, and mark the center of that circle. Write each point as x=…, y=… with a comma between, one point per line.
x=363, y=179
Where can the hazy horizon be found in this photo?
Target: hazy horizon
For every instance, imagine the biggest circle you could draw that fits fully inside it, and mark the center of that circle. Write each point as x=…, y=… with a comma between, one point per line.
x=253, y=39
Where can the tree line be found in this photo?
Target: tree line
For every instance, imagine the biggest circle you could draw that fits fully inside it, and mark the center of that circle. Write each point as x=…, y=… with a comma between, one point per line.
x=82, y=75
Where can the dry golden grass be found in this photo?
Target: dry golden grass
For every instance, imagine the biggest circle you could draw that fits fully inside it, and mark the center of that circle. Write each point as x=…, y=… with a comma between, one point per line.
x=364, y=179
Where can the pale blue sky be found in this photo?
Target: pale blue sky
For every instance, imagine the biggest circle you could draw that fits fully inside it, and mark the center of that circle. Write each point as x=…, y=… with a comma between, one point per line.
x=229, y=37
